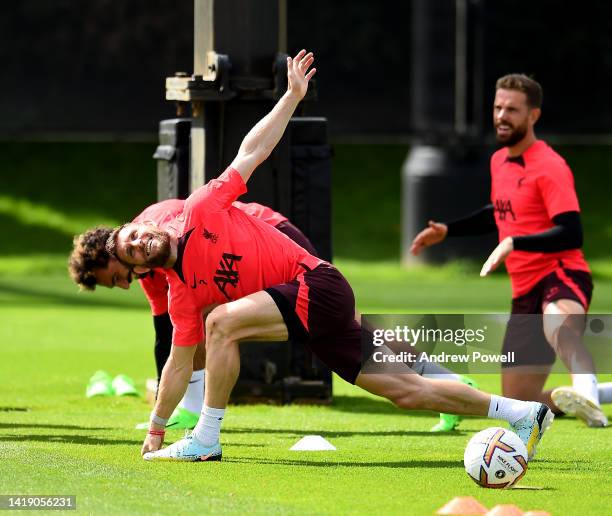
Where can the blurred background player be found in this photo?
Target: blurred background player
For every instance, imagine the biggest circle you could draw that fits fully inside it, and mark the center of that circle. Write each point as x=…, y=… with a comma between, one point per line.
x=90, y=265
x=536, y=213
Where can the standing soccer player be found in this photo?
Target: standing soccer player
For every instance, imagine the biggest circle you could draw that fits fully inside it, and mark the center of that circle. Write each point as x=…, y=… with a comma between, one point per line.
x=536, y=213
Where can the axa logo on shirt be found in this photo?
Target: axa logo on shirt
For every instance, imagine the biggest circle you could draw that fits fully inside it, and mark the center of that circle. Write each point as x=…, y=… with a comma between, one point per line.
x=227, y=274
x=503, y=207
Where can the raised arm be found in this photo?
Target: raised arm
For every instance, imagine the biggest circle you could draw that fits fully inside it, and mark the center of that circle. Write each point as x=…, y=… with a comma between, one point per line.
x=265, y=135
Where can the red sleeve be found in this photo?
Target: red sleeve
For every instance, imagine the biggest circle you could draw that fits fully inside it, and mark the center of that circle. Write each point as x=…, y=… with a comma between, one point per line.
x=216, y=195
x=155, y=287
x=186, y=318
x=557, y=189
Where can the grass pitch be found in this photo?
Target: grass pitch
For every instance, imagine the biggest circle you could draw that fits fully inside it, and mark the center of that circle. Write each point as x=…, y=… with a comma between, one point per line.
x=54, y=441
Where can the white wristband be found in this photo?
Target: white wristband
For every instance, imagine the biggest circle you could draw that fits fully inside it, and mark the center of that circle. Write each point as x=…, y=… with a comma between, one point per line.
x=158, y=420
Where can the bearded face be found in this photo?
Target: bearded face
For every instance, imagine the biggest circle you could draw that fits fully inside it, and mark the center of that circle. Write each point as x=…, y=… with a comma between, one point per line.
x=511, y=117
x=508, y=134
x=143, y=245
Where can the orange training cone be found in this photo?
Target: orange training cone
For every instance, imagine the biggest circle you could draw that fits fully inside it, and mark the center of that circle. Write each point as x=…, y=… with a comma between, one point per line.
x=464, y=505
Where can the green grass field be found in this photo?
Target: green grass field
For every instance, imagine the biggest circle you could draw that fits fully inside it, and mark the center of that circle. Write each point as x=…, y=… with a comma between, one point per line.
x=54, y=441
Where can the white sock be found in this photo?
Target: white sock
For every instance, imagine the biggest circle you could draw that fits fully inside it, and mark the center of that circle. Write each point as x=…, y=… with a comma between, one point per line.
x=209, y=425
x=434, y=371
x=508, y=409
x=586, y=384
x=605, y=392
x=194, y=395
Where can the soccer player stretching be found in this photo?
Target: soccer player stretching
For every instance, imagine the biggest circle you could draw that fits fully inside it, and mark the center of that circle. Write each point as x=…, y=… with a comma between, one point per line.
x=272, y=289
x=535, y=210
x=90, y=264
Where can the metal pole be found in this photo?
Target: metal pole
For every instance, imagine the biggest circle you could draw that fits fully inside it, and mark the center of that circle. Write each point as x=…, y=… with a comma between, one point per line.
x=282, y=26
x=478, y=92
x=419, y=68
x=203, y=42
x=461, y=18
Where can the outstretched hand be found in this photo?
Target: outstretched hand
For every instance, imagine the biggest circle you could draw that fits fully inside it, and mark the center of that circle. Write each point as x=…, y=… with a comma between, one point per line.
x=298, y=74
x=431, y=235
x=498, y=256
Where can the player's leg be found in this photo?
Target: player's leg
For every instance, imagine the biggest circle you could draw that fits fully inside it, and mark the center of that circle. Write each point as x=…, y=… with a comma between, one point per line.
x=527, y=383
x=524, y=379
x=605, y=392
x=253, y=318
x=350, y=355
x=408, y=390
x=564, y=323
x=163, y=341
x=448, y=422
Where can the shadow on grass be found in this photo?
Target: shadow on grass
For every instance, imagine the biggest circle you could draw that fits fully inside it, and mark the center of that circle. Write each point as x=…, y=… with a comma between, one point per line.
x=51, y=426
x=351, y=464
x=68, y=439
x=27, y=293
x=90, y=440
x=532, y=488
x=14, y=409
x=570, y=465
x=339, y=433
x=366, y=405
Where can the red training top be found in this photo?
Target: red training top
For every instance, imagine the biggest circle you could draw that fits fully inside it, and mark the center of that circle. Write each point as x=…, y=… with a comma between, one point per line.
x=154, y=284
x=259, y=211
x=527, y=192
x=224, y=254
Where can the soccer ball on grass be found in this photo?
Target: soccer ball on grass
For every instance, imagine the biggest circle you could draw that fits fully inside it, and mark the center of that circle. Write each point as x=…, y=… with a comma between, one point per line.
x=495, y=458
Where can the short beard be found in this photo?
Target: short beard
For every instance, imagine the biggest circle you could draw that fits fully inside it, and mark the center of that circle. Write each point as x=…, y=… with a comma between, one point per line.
x=515, y=137
x=160, y=258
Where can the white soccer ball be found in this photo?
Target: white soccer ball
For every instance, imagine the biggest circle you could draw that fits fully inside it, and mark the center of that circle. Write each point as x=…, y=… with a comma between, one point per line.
x=495, y=458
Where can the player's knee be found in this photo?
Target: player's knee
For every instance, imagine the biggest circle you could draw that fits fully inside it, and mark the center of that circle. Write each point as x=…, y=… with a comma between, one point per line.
x=218, y=328
x=566, y=339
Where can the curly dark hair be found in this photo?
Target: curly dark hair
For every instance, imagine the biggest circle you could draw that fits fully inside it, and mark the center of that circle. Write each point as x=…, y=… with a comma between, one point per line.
x=111, y=241
x=89, y=253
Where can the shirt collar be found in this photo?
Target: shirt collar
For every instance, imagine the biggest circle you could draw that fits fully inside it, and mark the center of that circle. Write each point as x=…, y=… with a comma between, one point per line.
x=519, y=160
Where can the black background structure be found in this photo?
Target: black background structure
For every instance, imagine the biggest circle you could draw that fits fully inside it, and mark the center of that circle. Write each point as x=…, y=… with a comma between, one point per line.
x=100, y=65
